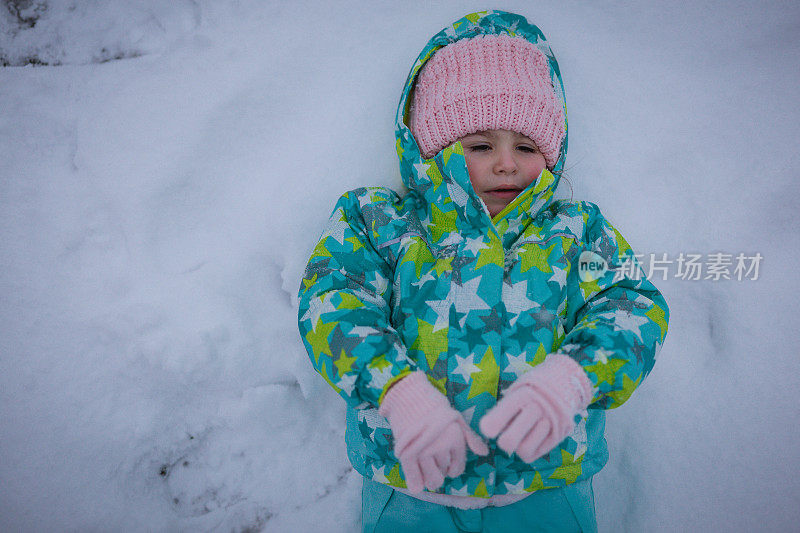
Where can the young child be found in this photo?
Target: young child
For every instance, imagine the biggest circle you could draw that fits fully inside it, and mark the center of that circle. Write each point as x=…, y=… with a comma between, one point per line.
x=477, y=328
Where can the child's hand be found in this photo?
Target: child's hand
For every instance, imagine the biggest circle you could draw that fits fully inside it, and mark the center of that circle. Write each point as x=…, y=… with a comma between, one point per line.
x=430, y=437
x=537, y=411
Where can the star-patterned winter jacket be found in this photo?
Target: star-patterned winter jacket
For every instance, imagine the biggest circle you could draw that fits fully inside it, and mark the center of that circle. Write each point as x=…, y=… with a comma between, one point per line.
x=429, y=281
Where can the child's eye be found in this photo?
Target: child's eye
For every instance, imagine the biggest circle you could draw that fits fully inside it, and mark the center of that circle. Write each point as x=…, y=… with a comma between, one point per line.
x=527, y=149
x=479, y=147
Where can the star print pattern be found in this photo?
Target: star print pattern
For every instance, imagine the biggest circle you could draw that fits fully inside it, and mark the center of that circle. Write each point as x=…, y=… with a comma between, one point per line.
x=429, y=281
x=465, y=367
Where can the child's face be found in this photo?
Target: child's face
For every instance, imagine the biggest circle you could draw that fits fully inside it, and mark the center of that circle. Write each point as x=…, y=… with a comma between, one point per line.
x=501, y=164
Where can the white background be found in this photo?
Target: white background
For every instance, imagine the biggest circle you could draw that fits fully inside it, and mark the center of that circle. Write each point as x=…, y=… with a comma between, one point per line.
x=157, y=211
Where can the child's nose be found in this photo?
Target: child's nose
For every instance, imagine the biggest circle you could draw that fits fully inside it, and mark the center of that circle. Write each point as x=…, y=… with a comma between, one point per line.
x=505, y=162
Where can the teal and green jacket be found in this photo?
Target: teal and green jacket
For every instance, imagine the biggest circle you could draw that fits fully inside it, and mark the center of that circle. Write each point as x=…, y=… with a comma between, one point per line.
x=429, y=281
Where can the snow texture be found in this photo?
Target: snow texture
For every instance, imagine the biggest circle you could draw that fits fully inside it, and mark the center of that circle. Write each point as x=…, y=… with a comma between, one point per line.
x=166, y=168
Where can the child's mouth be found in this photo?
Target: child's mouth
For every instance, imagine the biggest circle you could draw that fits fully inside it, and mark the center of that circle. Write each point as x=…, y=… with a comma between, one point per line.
x=504, y=193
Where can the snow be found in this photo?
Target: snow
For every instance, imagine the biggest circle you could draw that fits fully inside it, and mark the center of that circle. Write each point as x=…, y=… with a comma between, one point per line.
x=162, y=188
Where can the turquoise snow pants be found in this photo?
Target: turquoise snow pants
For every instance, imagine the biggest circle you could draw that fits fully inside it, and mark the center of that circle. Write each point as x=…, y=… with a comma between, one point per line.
x=553, y=510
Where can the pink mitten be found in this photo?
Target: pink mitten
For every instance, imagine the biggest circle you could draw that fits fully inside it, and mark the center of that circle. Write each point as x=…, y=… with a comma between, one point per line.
x=537, y=411
x=430, y=437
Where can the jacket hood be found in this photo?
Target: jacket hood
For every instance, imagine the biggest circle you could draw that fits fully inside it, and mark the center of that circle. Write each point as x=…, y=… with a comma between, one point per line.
x=443, y=181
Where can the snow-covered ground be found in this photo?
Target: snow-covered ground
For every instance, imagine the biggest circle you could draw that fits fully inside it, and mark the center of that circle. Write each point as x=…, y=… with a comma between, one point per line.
x=165, y=174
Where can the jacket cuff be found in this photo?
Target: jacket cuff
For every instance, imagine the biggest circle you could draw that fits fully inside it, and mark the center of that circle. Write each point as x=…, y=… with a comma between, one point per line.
x=391, y=383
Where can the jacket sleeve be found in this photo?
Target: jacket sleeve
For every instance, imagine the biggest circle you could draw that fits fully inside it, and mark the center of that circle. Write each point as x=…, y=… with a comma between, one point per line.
x=616, y=318
x=344, y=313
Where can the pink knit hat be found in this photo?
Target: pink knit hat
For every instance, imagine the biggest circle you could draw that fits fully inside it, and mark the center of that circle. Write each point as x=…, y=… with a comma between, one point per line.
x=487, y=82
